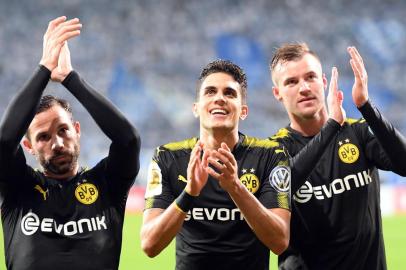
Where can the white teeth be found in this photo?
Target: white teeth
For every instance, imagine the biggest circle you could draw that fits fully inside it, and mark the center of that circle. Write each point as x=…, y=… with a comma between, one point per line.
x=218, y=111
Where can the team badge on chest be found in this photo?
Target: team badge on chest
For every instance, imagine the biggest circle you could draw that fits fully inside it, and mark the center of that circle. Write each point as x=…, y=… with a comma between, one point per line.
x=347, y=151
x=250, y=180
x=86, y=193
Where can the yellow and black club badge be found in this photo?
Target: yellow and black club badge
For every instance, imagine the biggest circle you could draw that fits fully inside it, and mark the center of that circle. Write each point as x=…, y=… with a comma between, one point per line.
x=250, y=180
x=348, y=152
x=86, y=193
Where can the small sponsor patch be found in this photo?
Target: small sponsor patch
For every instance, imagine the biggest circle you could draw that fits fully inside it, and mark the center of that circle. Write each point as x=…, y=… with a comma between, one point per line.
x=154, y=178
x=280, y=178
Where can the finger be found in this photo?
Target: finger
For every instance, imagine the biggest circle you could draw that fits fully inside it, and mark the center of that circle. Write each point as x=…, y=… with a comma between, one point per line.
x=67, y=28
x=216, y=164
x=333, y=81
x=195, y=149
x=69, y=22
x=205, y=162
x=227, y=157
x=56, y=31
x=355, y=69
x=213, y=173
x=357, y=59
x=67, y=36
x=225, y=146
x=227, y=166
x=54, y=23
x=228, y=153
x=193, y=155
x=357, y=54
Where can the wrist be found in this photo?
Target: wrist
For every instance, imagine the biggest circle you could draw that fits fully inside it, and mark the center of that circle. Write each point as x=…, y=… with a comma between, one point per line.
x=191, y=191
x=47, y=66
x=48, y=63
x=234, y=187
x=184, y=202
x=361, y=103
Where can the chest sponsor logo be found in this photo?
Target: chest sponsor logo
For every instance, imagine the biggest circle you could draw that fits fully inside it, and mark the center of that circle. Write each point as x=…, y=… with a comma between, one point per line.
x=336, y=187
x=347, y=151
x=86, y=193
x=31, y=223
x=279, y=178
x=250, y=180
x=216, y=214
x=154, y=180
x=44, y=193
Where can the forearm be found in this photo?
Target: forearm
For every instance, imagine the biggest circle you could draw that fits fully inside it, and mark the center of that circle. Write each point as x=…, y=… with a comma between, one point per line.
x=22, y=108
x=112, y=122
x=160, y=228
x=303, y=162
x=391, y=140
x=270, y=228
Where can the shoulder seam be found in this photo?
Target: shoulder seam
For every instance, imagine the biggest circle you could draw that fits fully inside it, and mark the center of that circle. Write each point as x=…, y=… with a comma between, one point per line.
x=260, y=143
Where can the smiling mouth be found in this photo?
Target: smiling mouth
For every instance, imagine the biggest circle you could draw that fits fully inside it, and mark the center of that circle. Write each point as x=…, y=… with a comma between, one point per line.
x=218, y=112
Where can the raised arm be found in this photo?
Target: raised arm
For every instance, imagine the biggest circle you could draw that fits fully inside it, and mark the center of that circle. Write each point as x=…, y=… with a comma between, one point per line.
x=126, y=143
x=392, y=141
x=22, y=108
x=112, y=122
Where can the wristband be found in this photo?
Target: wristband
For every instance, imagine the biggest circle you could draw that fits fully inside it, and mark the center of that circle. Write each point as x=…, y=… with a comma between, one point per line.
x=184, y=201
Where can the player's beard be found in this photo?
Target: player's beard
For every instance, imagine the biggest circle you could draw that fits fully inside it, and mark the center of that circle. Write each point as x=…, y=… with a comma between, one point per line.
x=61, y=167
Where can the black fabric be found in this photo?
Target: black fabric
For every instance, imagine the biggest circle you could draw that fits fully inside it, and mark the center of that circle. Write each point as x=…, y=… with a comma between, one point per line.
x=336, y=217
x=214, y=234
x=65, y=224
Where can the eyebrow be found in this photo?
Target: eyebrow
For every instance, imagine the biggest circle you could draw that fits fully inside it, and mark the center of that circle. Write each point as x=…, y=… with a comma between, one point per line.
x=311, y=72
x=288, y=79
x=40, y=134
x=210, y=87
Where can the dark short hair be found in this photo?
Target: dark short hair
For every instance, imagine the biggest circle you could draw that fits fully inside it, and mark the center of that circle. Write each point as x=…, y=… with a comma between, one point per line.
x=290, y=52
x=48, y=101
x=228, y=67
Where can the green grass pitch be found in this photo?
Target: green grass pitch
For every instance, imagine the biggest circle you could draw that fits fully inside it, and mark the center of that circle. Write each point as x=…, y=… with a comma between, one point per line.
x=133, y=258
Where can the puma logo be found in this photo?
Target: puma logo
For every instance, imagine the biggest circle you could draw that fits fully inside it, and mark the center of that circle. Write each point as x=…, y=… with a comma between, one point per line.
x=181, y=178
x=43, y=192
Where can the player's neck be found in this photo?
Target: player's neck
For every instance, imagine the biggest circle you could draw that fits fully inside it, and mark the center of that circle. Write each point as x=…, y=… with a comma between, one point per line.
x=308, y=126
x=212, y=139
x=65, y=176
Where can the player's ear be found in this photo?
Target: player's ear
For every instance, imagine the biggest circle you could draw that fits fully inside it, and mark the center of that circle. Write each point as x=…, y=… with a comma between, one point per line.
x=195, y=110
x=244, y=112
x=276, y=94
x=28, y=146
x=76, y=125
x=324, y=81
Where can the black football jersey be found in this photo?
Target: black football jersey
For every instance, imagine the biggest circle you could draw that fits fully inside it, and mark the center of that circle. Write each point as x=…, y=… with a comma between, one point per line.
x=69, y=224
x=214, y=234
x=336, y=217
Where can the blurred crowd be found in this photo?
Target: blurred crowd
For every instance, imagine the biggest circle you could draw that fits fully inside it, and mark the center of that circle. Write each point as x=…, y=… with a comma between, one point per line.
x=146, y=56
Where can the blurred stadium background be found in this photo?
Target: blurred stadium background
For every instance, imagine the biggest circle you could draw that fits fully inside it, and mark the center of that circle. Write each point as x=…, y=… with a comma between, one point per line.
x=146, y=56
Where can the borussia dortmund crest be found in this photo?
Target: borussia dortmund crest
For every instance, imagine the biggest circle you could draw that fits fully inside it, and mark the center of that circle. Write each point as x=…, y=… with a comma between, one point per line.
x=348, y=152
x=250, y=180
